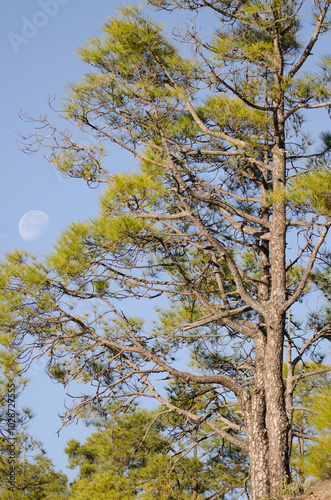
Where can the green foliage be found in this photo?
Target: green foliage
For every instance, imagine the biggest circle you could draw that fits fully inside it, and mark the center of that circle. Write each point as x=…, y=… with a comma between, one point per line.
x=35, y=477
x=234, y=116
x=121, y=460
x=311, y=421
x=317, y=458
x=71, y=258
x=313, y=189
x=128, y=52
x=80, y=162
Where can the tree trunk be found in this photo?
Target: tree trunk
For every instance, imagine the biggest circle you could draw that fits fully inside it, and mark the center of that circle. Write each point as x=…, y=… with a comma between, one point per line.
x=257, y=439
x=277, y=424
x=264, y=410
x=266, y=427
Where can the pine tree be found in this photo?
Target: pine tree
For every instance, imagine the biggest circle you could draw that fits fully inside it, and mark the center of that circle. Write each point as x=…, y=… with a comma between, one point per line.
x=216, y=219
x=34, y=475
x=317, y=459
x=309, y=419
x=121, y=461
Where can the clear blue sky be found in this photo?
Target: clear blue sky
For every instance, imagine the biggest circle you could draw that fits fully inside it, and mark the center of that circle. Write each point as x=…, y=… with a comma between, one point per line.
x=37, y=51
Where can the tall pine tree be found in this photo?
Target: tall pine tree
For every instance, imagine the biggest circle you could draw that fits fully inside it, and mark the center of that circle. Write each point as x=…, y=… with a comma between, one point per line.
x=213, y=219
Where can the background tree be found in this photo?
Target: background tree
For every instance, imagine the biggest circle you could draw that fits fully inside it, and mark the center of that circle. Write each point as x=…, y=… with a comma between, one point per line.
x=203, y=222
x=35, y=477
x=308, y=399
x=122, y=460
x=317, y=459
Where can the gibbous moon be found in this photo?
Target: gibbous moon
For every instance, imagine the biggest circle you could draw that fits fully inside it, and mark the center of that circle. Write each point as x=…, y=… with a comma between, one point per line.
x=32, y=225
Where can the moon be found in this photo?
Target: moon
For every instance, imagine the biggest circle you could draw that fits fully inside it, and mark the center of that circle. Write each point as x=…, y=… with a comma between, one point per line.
x=33, y=224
